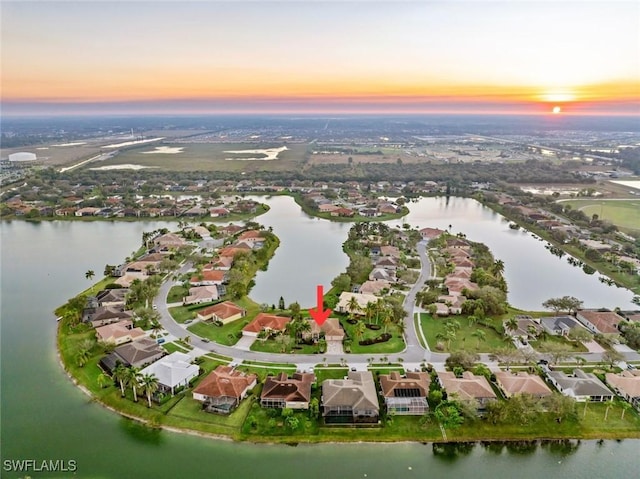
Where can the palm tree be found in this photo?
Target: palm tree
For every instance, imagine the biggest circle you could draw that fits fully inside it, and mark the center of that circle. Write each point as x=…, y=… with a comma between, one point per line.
x=133, y=379
x=89, y=274
x=450, y=335
x=352, y=306
x=473, y=319
x=149, y=384
x=498, y=268
x=103, y=379
x=82, y=357
x=370, y=310
x=360, y=330
x=120, y=374
x=625, y=407
x=480, y=335
x=511, y=324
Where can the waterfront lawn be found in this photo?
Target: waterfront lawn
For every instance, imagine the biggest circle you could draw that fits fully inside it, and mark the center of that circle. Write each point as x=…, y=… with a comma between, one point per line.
x=394, y=345
x=622, y=213
x=263, y=371
x=464, y=340
x=270, y=423
x=176, y=294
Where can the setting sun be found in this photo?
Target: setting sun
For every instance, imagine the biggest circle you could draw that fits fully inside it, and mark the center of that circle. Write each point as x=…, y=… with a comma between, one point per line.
x=556, y=110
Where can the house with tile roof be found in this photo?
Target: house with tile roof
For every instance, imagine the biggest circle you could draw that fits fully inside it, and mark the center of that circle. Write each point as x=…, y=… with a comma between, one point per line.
x=406, y=395
x=223, y=389
x=605, y=322
x=209, y=278
x=469, y=387
x=627, y=385
x=350, y=400
x=137, y=353
x=265, y=322
x=173, y=371
x=119, y=333
x=522, y=382
x=431, y=233
x=331, y=330
x=374, y=287
x=105, y=315
x=224, y=312
x=361, y=299
x=581, y=386
x=293, y=392
x=201, y=294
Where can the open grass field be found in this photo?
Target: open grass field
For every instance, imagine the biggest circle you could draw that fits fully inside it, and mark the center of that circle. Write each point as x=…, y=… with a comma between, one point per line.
x=623, y=213
x=209, y=157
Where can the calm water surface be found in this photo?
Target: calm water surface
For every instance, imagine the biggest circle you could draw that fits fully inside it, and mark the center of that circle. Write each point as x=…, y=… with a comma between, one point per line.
x=43, y=416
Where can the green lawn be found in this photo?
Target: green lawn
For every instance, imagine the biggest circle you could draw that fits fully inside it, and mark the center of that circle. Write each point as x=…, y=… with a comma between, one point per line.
x=176, y=293
x=226, y=335
x=551, y=341
x=622, y=213
x=272, y=346
x=394, y=345
x=323, y=374
x=463, y=340
x=181, y=313
x=173, y=347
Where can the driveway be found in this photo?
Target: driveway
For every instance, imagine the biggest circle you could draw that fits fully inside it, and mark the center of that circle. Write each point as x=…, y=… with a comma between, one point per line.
x=245, y=343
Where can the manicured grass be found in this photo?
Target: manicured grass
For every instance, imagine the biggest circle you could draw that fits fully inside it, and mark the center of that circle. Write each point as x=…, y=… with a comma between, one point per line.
x=173, y=347
x=622, y=213
x=176, y=293
x=181, y=313
x=226, y=335
x=551, y=342
x=307, y=427
x=394, y=345
x=263, y=372
x=322, y=374
x=272, y=346
x=219, y=357
x=464, y=340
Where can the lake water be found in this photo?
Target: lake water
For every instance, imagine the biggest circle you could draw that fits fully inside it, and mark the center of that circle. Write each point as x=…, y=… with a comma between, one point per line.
x=44, y=416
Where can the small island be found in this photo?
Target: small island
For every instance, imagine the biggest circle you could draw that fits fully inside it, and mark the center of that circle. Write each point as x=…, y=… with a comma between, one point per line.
x=421, y=345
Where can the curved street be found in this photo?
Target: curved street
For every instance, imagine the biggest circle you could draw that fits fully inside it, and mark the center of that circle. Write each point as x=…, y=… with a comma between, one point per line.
x=411, y=357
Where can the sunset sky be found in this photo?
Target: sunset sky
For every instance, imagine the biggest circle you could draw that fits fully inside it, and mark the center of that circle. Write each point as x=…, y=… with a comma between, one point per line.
x=328, y=57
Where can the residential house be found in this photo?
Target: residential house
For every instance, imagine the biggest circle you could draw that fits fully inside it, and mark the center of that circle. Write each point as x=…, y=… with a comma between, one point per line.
x=119, y=333
x=105, y=315
x=350, y=400
x=112, y=297
x=527, y=328
x=168, y=241
x=374, y=287
x=223, y=263
x=559, y=325
x=87, y=211
x=218, y=212
x=233, y=251
x=605, y=322
x=581, y=386
x=453, y=302
x=330, y=328
x=388, y=263
x=361, y=299
x=627, y=385
x=224, y=312
x=467, y=388
x=431, y=233
x=138, y=353
x=388, y=250
x=252, y=237
x=512, y=384
x=405, y=395
x=327, y=208
x=283, y=392
x=223, y=389
x=173, y=371
x=265, y=322
x=343, y=212
x=212, y=277
x=201, y=294
x=381, y=274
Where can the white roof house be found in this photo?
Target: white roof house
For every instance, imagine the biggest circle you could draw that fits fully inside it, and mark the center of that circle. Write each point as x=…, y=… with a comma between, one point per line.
x=173, y=371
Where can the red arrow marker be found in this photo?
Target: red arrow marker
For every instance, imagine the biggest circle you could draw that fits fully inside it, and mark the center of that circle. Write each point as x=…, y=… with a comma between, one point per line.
x=319, y=315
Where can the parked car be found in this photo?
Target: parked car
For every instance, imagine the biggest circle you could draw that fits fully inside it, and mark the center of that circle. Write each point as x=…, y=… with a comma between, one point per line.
x=188, y=321
x=206, y=340
x=160, y=340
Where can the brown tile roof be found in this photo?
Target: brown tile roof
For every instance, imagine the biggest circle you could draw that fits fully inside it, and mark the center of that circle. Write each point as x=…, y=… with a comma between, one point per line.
x=469, y=386
x=233, y=251
x=358, y=391
x=331, y=327
x=209, y=275
x=431, y=232
x=267, y=321
x=294, y=389
x=604, y=321
x=393, y=383
x=224, y=381
x=251, y=234
x=627, y=382
x=223, y=310
x=522, y=383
